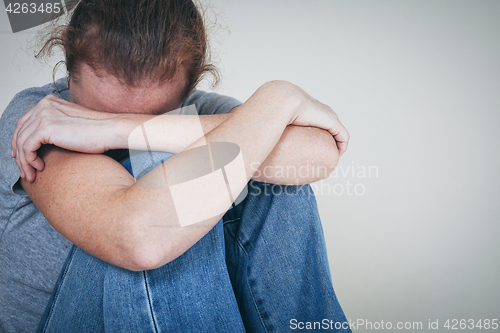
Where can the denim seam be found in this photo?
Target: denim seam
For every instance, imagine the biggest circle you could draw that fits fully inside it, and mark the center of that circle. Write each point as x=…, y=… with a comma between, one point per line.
x=150, y=304
x=235, y=237
x=49, y=316
x=240, y=243
x=250, y=286
x=256, y=306
x=242, y=247
x=233, y=220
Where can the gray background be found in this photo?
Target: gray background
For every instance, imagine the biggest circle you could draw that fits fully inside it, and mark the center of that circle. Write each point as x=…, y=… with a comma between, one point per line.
x=417, y=83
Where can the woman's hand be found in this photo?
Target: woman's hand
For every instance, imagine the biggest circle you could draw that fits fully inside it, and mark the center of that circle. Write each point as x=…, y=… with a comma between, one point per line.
x=313, y=113
x=61, y=123
x=307, y=111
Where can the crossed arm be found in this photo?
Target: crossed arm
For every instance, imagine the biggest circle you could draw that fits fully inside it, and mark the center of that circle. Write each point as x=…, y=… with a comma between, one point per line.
x=95, y=203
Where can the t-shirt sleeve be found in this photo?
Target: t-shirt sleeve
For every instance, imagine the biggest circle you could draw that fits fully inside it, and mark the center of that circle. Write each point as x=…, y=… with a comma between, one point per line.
x=22, y=102
x=211, y=103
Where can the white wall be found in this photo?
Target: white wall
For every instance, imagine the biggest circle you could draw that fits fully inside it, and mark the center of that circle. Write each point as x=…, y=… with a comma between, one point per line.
x=417, y=83
x=18, y=69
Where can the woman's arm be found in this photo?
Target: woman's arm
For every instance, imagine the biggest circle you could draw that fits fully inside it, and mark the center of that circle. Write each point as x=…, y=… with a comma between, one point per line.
x=96, y=204
x=73, y=127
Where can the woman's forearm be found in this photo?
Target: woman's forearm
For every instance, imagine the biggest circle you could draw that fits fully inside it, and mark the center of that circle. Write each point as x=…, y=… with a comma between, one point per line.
x=167, y=133
x=255, y=128
x=97, y=205
x=137, y=225
x=302, y=155
x=312, y=151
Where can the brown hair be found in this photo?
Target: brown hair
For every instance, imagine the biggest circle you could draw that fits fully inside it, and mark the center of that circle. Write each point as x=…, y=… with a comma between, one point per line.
x=136, y=40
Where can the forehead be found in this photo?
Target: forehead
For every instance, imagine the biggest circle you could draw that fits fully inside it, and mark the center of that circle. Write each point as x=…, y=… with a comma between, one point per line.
x=107, y=93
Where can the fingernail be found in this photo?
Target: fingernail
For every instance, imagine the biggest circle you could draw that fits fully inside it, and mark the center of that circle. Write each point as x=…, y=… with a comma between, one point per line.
x=12, y=153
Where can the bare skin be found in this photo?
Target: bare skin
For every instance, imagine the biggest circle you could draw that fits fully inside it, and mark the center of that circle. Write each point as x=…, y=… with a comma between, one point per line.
x=95, y=203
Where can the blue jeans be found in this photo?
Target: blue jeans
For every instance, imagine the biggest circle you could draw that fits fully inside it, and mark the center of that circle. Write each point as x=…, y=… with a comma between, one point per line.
x=262, y=268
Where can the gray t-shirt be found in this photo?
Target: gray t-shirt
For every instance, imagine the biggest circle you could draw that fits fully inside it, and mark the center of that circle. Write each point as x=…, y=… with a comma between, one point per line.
x=32, y=253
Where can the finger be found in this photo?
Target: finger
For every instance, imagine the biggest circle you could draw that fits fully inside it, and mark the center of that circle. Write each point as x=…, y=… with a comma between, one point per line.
x=27, y=118
x=22, y=161
x=27, y=170
x=30, y=173
x=20, y=124
x=38, y=163
x=343, y=142
x=22, y=135
x=22, y=164
x=30, y=148
x=21, y=171
x=342, y=147
x=341, y=136
x=30, y=140
x=24, y=121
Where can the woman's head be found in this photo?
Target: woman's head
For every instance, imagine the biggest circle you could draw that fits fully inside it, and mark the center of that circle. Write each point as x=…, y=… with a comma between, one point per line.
x=138, y=42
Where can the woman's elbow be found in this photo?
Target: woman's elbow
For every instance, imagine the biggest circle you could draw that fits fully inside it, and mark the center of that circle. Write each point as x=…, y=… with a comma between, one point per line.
x=144, y=259
x=140, y=252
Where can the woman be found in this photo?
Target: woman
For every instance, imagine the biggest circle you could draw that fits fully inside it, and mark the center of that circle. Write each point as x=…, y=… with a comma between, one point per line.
x=259, y=265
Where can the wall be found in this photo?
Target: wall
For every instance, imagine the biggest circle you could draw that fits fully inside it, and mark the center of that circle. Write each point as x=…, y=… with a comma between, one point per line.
x=417, y=84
